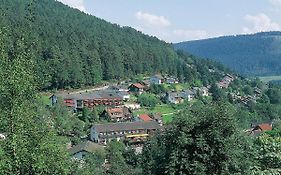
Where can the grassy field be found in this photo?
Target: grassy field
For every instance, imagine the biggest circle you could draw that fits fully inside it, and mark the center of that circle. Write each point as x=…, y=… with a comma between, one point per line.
x=270, y=78
x=166, y=110
x=45, y=99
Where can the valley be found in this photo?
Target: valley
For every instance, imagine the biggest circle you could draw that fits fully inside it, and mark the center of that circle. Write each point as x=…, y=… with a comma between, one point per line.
x=80, y=95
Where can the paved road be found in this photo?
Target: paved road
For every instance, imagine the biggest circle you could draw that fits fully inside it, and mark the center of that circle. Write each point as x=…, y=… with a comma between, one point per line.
x=91, y=89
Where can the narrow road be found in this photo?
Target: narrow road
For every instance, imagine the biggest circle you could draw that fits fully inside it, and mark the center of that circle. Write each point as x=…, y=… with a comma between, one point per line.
x=91, y=89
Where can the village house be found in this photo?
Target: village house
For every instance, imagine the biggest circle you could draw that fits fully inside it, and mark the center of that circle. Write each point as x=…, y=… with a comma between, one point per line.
x=136, y=88
x=204, y=91
x=157, y=79
x=158, y=118
x=78, y=101
x=118, y=114
x=53, y=100
x=174, y=97
x=246, y=99
x=132, y=105
x=81, y=150
x=180, y=97
x=145, y=83
x=258, y=129
x=171, y=80
x=128, y=131
x=257, y=91
x=144, y=118
x=225, y=82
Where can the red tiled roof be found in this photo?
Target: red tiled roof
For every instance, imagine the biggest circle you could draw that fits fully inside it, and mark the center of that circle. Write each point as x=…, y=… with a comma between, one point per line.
x=145, y=117
x=138, y=85
x=265, y=127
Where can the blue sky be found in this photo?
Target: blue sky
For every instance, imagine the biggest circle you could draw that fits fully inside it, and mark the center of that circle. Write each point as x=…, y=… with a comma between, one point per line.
x=182, y=20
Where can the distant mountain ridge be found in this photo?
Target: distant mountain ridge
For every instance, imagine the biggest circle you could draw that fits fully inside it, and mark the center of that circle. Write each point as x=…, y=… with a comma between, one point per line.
x=253, y=55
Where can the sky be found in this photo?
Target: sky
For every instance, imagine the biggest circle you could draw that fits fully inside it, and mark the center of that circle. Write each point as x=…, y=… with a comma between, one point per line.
x=184, y=20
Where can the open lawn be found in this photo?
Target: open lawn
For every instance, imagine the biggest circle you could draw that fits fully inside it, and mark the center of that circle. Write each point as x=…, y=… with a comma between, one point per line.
x=168, y=118
x=177, y=87
x=166, y=110
x=267, y=79
x=45, y=99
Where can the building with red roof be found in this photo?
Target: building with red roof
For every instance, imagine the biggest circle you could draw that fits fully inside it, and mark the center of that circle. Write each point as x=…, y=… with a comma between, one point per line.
x=145, y=118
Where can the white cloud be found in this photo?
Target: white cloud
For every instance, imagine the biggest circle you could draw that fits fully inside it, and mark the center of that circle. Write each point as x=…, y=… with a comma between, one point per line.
x=182, y=35
x=152, y=20
x=78, y=4
x=260, y=23
x=275, y=2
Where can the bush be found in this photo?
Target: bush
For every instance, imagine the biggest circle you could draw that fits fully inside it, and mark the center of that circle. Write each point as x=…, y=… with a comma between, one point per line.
x=148, y=100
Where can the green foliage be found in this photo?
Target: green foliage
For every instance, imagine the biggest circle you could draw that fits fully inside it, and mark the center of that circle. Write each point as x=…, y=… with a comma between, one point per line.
x=238, y=52
x=92, y=164
x=31, y=146
x=67, y=124
x=248, y=90
x=274, y=95
x=116, y=161
x=217, y=93
x=147, y=100
x=75, y=49
x=205, y=141
x=268, y=155
x=157, y=89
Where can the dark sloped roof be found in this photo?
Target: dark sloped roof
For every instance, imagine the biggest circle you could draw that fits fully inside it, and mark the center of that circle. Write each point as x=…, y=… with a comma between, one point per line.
x=109, y=127
x=87, y=146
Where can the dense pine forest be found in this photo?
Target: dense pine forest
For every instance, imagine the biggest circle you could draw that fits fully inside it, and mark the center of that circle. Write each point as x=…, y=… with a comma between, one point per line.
x=252, y=55
x=46, y=45
x=74, y=49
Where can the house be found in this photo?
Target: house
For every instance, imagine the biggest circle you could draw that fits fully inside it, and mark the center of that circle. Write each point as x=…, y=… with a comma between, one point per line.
x=263, y=127
x=246, y=99
x=133, y=105
x=81, y=150
x=179, y=97
x=158, y=118
x=175, y=97
x=145, y=83
x=257, y=91
x=156, y=79
x=258, y=129
x=204, y=91
x=129, y=131
x=53, y=99
x=136, y=88
x=188, y=95
x=78, y=101
x=225, y=82
x=118, y=114
x=171, y=80
x=144, y=118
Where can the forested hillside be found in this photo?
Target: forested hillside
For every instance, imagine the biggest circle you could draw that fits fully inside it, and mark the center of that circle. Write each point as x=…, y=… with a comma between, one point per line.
x=73, y=49
x=257, y=54
x=45, y=44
